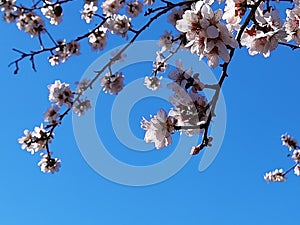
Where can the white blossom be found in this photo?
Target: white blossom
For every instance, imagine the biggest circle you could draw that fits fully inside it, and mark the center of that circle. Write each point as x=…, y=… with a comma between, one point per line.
x=53, y=12
x=149, y=2
x=152, y=83
x=166, y=41
x=112, y=83
x=112, y=6
x=89, y=9
x=60, y=93
x=291, y=25
x=31, y=23
x=275, y=176
x=207, y=36
x=49, y=164
x=7, y=5
x=80, y=107
x=118, y=24
x=160, y=64
x=134, y=8
x=158, y=129
x=98, y=38
x=52, y=114
x=64, y=51
x=289, y=141
x=82, y=86
x=297, y=170
x=296, y=156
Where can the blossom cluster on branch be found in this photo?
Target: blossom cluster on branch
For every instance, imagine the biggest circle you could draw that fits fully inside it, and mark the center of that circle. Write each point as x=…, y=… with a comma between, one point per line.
x=278, y=175
x=213, y=30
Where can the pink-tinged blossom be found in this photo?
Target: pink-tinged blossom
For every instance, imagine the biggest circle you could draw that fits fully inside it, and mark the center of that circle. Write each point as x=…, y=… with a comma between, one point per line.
x=61, y=94
x=233, y=13
x=7, y=5
x=166, y=41
x=64, y=51
x=292, y=24
x=289, y=141
x=134, y=8
x=118, y=24
x=80, y=107
x=275, y=176
x=112, y=83
x=98, y=38
x=296, y=156
x=207, y=36
x=53, y=12
x=82, y=86
x=112, y=6
x=48, y=164
x=175, y=15
x=152, y=83
x=265, y=38
x=160, y=65
x=89, y=9
x=31, y=23
x=159, y=129
x=51, y=115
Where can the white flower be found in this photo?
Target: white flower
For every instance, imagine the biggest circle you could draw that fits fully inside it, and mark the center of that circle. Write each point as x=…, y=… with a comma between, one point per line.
x=158, y=129
x=233, y=13
x=275, y=176
x=48, y=164
x=88, y=11
x=296, y=156
x=134, y=8
x=175, y=15
x=159, y=65
x=80, y=107
x=166, y=41
x=118, y=24
x=112, y=6
x=98, y=38
x=149, y=2
x=112, y=83
x=27, y=142
x=52, y=11
x=64, y=51
x=60, y=93
x=152, y=83
x=8, y=5
x=52, y=114
x=291, y=25
x=82, y=86
x=289, y=141
x=206, y=35
x=297, y=170
x=41, y=137
x=31, y=23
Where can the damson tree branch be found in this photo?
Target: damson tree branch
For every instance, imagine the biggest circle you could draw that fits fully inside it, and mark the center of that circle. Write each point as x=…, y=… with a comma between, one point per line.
x=293, y=47
x=113, y=59
x=43, y=49
x=213, y=103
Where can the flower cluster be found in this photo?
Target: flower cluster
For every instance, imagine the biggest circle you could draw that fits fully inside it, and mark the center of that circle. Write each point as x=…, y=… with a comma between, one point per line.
x=207, y=36
x=53, y=12
x=118, y=24
x=112, y=83
x=279, y=175
x=31, y=23
x=88, y=11
x=98, y=38
x=159, y=129
x=64, y=51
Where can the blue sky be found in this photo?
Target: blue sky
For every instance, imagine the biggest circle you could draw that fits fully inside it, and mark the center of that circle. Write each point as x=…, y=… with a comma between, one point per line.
x=261, y=102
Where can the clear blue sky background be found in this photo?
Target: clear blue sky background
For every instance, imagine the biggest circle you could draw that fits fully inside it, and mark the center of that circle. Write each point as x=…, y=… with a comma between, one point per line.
x=262, y=103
